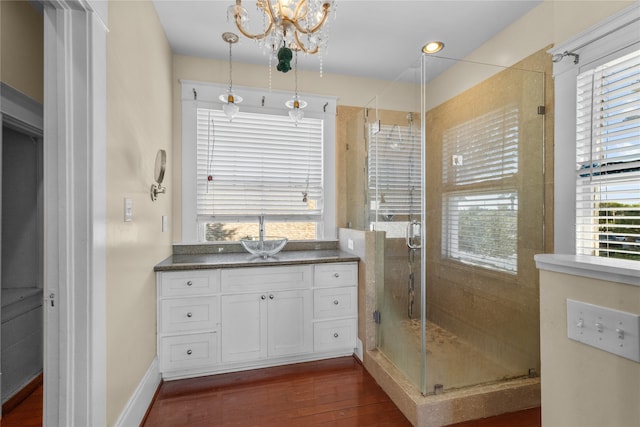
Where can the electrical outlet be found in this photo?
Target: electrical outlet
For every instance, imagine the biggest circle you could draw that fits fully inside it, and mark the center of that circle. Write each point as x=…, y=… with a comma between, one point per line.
x=610, y=330
x=350, y=243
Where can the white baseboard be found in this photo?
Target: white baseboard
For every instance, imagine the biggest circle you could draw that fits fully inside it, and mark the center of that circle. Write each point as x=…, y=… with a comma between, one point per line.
x=140, y=401
x=358, y=349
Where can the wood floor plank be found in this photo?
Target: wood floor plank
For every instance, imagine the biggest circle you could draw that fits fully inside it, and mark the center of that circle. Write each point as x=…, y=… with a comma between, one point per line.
x=336, y=392
x=526, y=418
x=26, y=414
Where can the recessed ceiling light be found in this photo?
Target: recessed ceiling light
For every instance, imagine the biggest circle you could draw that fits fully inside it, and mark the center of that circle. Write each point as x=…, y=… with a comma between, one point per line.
x=432, y=47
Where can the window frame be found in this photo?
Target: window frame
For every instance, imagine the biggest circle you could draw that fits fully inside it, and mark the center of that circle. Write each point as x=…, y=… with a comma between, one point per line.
x=608, y=159
x=610, y=39
x=500, y=180
x=260, y=101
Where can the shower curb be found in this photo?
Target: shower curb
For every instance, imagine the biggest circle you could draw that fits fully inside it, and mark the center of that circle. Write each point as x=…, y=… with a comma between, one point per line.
x=452, y=406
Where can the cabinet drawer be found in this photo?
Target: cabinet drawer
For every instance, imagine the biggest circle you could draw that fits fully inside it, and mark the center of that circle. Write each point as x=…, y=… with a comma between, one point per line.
x=334, y=302
x=186, y=283
x=188, y=351
x=259, y=279
x=336, y=274
x=189, y=314
x=334, y=335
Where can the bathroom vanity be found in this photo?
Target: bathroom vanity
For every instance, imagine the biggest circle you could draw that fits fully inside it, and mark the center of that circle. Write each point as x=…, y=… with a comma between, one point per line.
x=229, y=312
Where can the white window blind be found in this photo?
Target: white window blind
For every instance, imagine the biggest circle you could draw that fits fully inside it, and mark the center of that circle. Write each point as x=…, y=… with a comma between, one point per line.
x=480, y=197
x=258, y=164
x=608, y=159
x=394, y=169
x=483, y=149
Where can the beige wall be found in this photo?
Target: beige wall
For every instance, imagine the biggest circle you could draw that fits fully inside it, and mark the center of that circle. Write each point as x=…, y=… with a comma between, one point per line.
x=22, y=48
x=583, y=386
x=138, y=124
x=552, y=22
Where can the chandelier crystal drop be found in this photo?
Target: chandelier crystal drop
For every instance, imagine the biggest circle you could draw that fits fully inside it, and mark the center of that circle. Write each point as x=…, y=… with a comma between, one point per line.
x=298, y=25
x=230, y=99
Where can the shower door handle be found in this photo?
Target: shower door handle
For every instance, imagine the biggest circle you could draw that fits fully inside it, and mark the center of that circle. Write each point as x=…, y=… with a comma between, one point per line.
x=414, y=235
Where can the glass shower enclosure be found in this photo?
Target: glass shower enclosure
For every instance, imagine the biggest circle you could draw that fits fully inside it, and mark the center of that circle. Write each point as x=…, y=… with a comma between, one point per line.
x=449, y=170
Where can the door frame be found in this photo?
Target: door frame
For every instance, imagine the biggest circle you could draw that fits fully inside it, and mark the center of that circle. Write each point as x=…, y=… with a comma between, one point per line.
x=75, y=55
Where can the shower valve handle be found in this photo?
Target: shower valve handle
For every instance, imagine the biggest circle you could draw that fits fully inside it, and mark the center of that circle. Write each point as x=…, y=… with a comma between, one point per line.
x=412, y=236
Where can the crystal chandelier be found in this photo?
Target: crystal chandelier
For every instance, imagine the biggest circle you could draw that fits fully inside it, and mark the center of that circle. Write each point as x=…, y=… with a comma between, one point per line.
x=230, y=99
x=288, y=25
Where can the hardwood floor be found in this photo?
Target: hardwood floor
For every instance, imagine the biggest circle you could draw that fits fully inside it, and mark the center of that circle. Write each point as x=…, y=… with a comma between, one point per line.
x=336, y=392
x=526, y=418
x=27, y=413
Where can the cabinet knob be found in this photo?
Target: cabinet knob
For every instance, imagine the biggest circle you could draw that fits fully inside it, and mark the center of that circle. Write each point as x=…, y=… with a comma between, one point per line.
x=263, y=297
x=336, y=274
x=335, y=302
x=189, y=352
x=335, y=335
x=189, y=283
x=189, y=314
x=271, y=296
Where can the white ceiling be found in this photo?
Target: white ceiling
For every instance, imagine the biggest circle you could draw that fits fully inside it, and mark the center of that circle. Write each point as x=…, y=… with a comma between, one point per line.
x=376, y=39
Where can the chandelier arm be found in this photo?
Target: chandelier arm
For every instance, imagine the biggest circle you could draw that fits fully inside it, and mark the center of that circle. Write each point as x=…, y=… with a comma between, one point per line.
x=298, y=13
x=268, y=8
x=266, y=32
x=325, y=16
x=302, y=47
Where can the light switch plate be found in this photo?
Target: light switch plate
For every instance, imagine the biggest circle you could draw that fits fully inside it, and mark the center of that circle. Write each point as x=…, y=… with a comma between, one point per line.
x=128, y=210
x=610, y=330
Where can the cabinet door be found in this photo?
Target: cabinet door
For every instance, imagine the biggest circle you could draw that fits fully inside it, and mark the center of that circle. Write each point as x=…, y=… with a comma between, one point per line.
x=244, y=327
x=290, y=327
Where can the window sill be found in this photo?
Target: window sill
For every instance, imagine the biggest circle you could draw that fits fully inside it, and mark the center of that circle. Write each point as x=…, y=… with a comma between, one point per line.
x=613, y=270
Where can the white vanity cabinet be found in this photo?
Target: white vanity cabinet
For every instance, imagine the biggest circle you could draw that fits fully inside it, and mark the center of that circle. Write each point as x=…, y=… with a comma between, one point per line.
x=229, y=319
x=267, y=324
x=335, y=306
x=188, y=319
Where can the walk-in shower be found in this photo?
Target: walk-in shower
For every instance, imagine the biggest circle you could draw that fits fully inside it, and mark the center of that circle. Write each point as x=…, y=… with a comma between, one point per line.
x=449, y=171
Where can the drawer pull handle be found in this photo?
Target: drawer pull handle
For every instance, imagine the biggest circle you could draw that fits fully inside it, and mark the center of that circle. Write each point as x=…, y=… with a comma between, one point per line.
x=189, y=283
x=189, y=352
x=189, y=314
x=263, y=297
x=335, y=302
x=271, y=296
x=335, y=335
x=336, y=274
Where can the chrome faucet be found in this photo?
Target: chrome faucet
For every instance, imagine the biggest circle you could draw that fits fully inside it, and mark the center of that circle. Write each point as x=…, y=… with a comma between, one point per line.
x=261, y=229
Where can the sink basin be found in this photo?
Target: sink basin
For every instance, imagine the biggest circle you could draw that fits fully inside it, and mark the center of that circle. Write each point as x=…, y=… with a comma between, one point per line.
x=267, y=247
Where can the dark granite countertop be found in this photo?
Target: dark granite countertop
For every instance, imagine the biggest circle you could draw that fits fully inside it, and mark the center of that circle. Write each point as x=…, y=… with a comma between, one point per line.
x=178, y=262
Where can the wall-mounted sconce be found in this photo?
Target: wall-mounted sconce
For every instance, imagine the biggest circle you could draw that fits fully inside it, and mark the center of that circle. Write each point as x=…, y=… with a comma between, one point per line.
x=161, y=165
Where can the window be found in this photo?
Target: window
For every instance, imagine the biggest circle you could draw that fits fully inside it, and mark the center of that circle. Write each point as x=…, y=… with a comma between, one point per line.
x=608, y=159
x=260, y=164
x=394, y=171
x=480, y=197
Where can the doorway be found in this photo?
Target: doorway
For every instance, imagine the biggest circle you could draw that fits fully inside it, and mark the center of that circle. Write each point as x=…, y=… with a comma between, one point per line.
x=21, y=348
